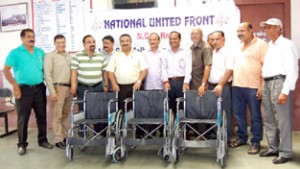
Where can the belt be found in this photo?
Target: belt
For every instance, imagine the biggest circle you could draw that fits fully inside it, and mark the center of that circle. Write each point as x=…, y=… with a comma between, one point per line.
x=274, y=77
x=176, y=78
x=30, y=86
x=90, y=85
x=62, y=84
x=215, y=84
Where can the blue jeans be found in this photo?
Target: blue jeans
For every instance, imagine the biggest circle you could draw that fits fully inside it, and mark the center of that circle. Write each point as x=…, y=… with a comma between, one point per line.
x=240, y=98
x=226, y=105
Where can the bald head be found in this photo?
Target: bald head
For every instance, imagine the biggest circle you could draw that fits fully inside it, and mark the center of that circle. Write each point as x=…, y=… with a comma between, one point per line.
x=196, y=35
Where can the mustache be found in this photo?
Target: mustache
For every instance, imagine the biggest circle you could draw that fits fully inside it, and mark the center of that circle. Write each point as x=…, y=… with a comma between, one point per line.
x=240, y=36
x=32, y=41
x=105, y=47
x=92, y=46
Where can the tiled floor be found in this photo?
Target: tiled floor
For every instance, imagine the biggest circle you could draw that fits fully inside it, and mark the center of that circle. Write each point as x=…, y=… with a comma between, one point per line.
x=140, y=158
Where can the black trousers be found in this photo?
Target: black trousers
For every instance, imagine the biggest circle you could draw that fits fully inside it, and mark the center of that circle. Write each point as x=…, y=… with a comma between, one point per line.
x=33, y=97
x=124, y=93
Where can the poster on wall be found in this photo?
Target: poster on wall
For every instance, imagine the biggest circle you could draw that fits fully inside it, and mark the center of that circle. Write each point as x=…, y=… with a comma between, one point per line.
x=14, y=17
x=139, y=23
x=66, y=17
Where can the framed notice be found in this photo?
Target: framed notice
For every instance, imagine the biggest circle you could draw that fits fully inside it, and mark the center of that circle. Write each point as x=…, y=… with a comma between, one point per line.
x=14, y=17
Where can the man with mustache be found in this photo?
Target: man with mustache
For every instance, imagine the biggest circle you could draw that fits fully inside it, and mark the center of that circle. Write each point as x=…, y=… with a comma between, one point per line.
x=246, y=87
x=28, y=88
x=280, y=72
x=86, y=71
x=108, y=51
x=174, y=65
x=126, y=70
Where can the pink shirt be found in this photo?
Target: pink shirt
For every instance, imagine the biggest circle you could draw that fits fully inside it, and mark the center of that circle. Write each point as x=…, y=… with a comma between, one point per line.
x=248, y=64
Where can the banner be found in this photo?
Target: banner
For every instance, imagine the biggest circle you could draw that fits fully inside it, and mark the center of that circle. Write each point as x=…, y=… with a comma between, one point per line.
x=139, y=23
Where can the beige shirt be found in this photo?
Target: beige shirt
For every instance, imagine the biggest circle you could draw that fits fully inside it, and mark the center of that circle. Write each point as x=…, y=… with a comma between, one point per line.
x=57, y=69
x=127, y=69
x=248, y=64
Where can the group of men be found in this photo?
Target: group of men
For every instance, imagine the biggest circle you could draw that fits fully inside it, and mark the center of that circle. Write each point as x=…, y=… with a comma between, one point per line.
x=250, y=74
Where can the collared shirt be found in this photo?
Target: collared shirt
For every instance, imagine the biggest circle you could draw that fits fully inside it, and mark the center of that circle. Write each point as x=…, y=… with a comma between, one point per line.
x=127, y=69
x=27, y=67
x=174, y=64
x=282, y=59
x=222, y=60
x=154, y=76
x=201, y=56
x=108, y=55
x=57, y=69
x=248, y=63
x=89, y=67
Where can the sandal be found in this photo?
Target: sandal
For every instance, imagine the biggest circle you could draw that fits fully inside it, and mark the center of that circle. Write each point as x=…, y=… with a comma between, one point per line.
x=236, y=143
x=254, y=149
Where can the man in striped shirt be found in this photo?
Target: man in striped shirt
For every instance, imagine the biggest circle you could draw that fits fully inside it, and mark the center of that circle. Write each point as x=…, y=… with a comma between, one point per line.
x=86, y=71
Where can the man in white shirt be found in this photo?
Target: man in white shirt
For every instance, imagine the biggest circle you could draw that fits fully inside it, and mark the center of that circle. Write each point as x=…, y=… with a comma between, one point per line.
x=173, y=69
x=221, y=74
x=126, y=70
x=280, y=73
x=153, y=58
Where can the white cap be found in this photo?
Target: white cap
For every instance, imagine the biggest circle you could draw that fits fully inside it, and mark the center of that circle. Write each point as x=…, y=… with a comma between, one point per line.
x=271, y=21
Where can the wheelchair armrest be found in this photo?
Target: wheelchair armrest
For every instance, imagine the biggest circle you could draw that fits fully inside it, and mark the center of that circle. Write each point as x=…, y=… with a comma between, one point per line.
x=180, y=99
x=75, y=101
x=113, y=100
x=128, y=100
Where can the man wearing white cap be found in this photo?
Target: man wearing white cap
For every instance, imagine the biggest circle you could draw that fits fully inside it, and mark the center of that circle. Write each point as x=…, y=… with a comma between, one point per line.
x=280, y=73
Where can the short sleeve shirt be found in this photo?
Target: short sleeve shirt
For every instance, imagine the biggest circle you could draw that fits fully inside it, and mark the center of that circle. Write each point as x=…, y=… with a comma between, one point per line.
x=27, y=67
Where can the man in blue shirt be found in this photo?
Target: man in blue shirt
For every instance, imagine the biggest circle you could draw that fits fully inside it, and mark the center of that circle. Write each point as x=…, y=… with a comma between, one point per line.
x=28, y=87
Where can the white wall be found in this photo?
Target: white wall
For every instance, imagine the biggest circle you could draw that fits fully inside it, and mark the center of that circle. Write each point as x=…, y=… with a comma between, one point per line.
x=10, y=40
x=295, y=26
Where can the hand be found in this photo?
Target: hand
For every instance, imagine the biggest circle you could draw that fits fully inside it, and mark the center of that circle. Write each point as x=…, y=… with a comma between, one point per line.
x=186, y=86
x=282, y=99
x=258, y=93
x=73, y=91
x=218, y=90
x=167, y=86
x=53, y=97
x=201, y=90
x=137, y=86
x=17, y=92
x=105, y=88
x=116, y=87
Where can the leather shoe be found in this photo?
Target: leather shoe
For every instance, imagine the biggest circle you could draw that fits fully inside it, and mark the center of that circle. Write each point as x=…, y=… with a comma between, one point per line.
x=268, y=153
x=60, y=145
x=46, y=145
x=280, y=160
x=21, y=151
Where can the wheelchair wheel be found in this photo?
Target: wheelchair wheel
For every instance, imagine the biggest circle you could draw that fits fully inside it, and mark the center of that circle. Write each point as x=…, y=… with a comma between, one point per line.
x=175, y=151
x=170, y=123
x=119, y=122
x=69, y=152
x=164, y=157
x=119, y=154
x=224, y=136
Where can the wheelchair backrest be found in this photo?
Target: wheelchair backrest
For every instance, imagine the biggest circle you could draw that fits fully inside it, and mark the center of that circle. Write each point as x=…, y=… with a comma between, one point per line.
x=96, y=105
x=149, y=103
x=197, y=107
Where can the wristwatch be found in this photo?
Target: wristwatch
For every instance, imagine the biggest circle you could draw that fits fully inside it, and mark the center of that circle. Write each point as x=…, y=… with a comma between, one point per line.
x=203, y=84
x=139, y=81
